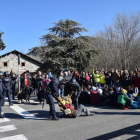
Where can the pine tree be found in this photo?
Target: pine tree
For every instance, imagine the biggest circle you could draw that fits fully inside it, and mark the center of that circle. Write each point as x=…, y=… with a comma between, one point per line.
x=65, y=47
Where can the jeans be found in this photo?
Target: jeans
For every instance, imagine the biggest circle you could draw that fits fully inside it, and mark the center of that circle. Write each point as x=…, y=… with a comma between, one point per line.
x=117, y=84
x=81, y=109
x=0, y=106
x=96, y=84
x=61, y=92
x=109, y=85
x=52, y=106
x=8, y=92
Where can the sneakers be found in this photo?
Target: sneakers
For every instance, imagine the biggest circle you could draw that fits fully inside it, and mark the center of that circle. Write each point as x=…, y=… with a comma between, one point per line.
x=55, y=118
x=125, y=108
x=11, y=104
x=91, y=114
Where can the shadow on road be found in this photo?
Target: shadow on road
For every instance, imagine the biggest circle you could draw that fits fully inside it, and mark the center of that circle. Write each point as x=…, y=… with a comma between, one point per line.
x=132, y=130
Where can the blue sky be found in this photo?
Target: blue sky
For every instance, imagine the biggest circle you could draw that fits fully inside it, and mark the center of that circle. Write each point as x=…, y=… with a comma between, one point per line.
x=24, y=21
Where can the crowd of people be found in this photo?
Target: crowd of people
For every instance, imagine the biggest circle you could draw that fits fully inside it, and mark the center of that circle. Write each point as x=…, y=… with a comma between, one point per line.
x=120, y=88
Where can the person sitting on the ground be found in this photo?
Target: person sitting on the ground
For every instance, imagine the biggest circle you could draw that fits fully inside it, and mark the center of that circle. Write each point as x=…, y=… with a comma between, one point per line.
x=67, y=109
x=115, y=95
x=122, y=99
x=107, y=96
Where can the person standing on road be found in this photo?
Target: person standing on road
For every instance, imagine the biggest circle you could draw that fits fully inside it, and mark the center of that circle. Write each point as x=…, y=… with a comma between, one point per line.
x=39, y=79
x=1, y=93
x=13, y=78
x=34, y=83
x=7, y=82
x=52, y=90
x=25, y=84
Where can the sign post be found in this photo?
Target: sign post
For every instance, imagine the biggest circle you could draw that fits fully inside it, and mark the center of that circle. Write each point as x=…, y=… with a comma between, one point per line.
x=19, y=71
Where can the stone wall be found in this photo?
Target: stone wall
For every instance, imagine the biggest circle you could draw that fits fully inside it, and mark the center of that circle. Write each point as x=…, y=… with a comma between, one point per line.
x=12, y=61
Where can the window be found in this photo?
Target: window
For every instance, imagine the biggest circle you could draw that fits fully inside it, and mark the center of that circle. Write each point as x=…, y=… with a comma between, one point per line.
x=23, y=64
x=5, y=64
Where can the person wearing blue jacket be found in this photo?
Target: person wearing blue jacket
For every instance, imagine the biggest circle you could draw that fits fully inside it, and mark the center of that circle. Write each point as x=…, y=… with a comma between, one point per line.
x=1, y=93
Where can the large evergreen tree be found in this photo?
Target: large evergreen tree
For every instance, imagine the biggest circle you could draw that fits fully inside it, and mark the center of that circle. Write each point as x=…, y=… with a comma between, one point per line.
x=66, y=47
x=2, y=45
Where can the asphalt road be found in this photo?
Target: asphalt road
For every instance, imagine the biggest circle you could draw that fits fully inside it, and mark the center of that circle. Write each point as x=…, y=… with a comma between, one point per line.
x=31, y=122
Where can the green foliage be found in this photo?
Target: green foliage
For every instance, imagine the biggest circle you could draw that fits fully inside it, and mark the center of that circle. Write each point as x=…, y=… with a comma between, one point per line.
x=2, y=45
x=66, y=47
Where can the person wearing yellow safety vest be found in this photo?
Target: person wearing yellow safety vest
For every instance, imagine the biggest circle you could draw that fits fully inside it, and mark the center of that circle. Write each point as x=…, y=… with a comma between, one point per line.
x=96, y=77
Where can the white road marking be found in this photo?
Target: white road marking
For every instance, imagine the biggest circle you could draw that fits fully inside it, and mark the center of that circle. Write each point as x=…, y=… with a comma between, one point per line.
x=16, y=137
x=25, y=114
x=123, y=137
x=7, y=128
x=4, y=120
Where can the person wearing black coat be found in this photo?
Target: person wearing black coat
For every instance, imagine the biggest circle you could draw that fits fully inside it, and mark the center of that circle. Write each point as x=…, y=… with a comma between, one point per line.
x=13, y=77
x=107, y=96
x=126, y=79
x=115, y=96
x=34, y=83
x=73, y=85
x=52, y=91
x=39, y=80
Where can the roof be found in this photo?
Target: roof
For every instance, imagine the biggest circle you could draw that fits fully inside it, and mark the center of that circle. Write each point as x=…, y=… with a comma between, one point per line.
x=15, y=51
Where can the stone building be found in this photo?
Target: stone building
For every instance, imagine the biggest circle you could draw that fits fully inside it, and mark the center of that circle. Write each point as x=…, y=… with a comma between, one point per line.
x=9, y=61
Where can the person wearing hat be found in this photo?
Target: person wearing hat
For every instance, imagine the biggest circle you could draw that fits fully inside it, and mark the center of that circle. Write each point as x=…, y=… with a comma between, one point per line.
x=1, y=94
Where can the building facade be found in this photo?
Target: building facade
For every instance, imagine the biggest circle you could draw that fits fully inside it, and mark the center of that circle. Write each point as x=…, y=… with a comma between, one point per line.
x=9, y=61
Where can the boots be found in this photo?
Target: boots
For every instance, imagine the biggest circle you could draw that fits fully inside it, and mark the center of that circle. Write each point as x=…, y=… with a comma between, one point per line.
x=1, y=116
x=55, y=118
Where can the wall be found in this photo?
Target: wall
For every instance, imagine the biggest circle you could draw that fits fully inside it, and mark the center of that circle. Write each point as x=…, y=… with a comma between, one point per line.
x=12, y=60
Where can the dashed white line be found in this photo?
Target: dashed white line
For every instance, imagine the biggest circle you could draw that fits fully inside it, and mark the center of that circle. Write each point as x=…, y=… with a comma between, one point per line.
x=25, y=114
x=7, y=128
x=4, y=120
x=16, y=137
